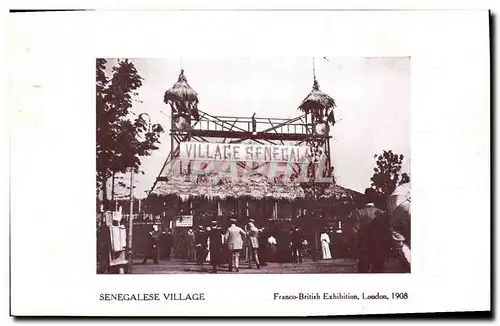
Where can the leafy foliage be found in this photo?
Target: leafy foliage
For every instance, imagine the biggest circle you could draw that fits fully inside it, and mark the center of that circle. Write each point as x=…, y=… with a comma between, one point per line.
x=388, y=174
x=122, y=137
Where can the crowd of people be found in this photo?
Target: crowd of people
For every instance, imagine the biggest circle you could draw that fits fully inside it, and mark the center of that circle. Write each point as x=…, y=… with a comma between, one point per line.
x=220, y=246
x=224, y=245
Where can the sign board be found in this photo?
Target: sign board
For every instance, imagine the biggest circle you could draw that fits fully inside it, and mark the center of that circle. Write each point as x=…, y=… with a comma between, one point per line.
x=184, y=221
x=117, y=216
x=243, y=152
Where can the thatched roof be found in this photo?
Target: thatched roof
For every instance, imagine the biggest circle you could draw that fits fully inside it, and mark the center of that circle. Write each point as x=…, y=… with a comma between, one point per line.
x=255, y=187
x=316, y=100
x=339, y=193
x=181, y=92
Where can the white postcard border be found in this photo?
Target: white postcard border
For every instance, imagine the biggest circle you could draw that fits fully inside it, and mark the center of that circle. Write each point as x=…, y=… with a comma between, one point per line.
x=51, y=90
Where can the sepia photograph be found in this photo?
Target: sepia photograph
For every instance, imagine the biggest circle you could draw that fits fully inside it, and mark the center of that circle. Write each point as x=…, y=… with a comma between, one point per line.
x=278, y=165
x=269, y=155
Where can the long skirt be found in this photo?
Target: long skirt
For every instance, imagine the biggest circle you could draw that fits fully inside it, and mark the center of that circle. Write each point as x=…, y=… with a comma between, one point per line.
x=201, y=254
x=215, y=256
x=273, y=253
x=325, y=250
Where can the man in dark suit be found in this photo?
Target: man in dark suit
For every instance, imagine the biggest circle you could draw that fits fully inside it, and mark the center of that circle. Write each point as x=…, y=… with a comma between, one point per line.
x=162, y=244
x=373, y=235
x=215, y=247
x=334, y=245
x=169, y=243
x=297, y=247
x=151, y=246
x=191, y=245
x=263, y=246
x=166, y=243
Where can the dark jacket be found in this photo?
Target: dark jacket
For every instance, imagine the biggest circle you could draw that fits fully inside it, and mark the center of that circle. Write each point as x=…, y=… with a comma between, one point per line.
x=215, y=235
x=297, y=238
x=104, y=247
x=215, y=247
x=263, y=239
x=364, y=216
x=201, y=238
x=373, y=232
x=166, y=239
x=191, y=240
x=152, y=239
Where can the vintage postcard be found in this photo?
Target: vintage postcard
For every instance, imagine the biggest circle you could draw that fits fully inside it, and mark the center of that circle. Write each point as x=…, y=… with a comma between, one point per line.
x=252, y=178
x=249, y=163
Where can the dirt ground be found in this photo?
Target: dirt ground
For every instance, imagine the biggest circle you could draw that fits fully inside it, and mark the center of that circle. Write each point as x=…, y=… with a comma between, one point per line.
x=333, y=266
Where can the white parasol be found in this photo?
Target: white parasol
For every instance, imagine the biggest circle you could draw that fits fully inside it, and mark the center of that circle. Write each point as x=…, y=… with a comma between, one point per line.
x=401, y=196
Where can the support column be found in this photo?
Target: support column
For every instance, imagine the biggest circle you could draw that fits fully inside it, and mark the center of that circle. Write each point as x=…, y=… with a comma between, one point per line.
x=131, y=222
x=219, y=208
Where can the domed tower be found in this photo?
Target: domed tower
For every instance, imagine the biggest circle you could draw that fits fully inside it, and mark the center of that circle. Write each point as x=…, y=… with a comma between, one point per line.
x=183, y=102
x=318, y=108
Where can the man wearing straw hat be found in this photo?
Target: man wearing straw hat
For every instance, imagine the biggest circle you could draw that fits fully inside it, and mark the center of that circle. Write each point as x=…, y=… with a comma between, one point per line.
x=234, y=242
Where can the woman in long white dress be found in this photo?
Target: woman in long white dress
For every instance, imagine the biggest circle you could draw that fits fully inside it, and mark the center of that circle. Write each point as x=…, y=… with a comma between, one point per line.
x=325, y=246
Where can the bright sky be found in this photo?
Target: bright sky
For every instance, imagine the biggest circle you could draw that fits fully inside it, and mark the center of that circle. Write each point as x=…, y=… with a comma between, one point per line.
x=372, y=96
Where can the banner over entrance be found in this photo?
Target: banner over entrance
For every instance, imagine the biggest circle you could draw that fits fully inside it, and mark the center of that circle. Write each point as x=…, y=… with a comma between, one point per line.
x=243, y=152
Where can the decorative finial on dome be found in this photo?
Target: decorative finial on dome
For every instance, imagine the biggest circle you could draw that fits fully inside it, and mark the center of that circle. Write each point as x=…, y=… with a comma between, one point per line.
x=315, y=84
x=182, y=78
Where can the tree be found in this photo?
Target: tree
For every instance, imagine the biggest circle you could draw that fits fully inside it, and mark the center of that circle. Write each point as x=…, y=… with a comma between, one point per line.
x=388, y=174
x=122, y=137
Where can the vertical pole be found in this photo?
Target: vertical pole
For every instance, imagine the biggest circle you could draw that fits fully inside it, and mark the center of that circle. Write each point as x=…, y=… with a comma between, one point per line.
x=314, y=69
x=315, y=208
x=113, y=189
x=328, y=158
x=130, y=220
x=316, y=240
